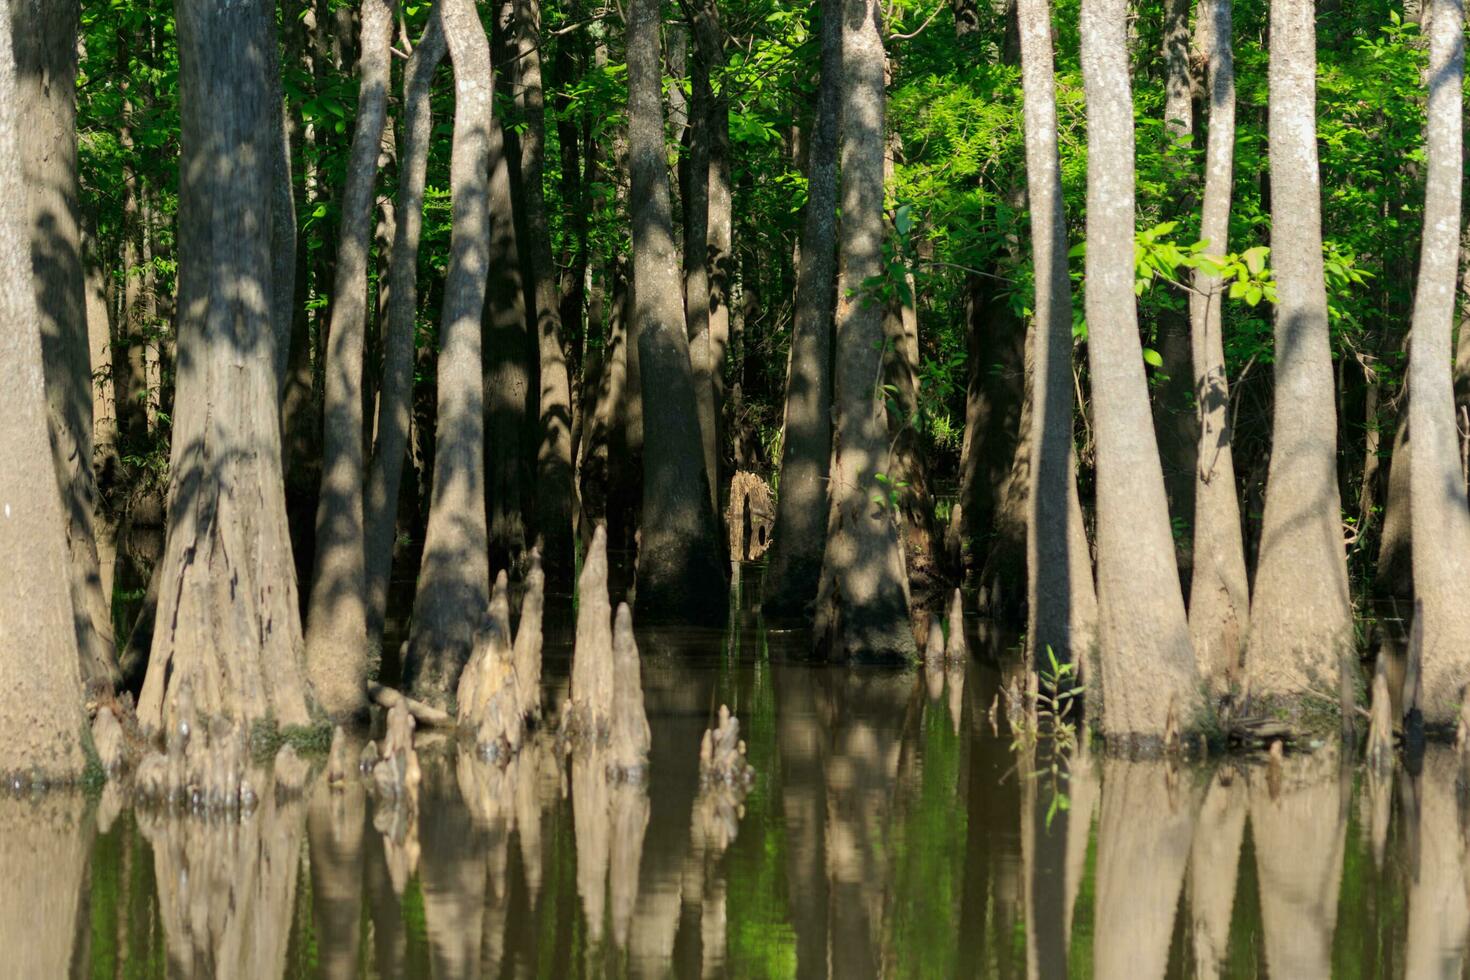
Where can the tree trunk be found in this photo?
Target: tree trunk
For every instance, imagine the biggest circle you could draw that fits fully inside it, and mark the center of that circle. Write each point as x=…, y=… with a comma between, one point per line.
x=395, y=400
x=1148, y=669
x=862, y=606
x=41, y=720
x=454, y=581
x=554, y=492
x=1061, y=602
x=228, y=621
x=509, y=398
x=680, y=566
x=696, y=271
x=337, y=652
x=1441, y=520
x=794, y=566
x=1301, y=628
x=1174, y=410
x=709, y=36
x=45, y=82
x=1219, y=597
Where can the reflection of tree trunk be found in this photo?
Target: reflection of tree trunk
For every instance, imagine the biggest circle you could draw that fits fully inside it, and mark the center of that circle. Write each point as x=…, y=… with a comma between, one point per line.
x=451, y=870
x=800, y=743
x=335, y=820
x=1143, y=838
x=43, y=861
x=1299, y=825
x=227, y=890
x=1213, y=860
x=1440, y=870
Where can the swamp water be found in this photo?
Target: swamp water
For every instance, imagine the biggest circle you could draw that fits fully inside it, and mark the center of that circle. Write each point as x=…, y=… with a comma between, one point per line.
x=892, y=830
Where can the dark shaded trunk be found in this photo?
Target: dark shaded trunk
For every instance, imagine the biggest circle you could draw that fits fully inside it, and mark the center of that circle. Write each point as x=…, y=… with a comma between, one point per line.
x=680, y=568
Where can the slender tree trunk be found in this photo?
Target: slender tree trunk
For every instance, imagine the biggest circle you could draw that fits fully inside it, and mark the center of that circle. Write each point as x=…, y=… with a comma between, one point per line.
x=41, y=718
x=1060, y=599
x=696, y=271
x=1148, y=669
x=135, y=424
x=862, y=606
x=680, y=566
x=1441, y=520
x=509, y=398
x=1174, y=410
x=228, y=621
x=45, y=86
x=283, y=215
x=1219, y=598
x=555, y=495
x=709, y=36
x=794, y=566
x=395, y=401
x=454, y=580
x=1301, y=627
x=337, y=652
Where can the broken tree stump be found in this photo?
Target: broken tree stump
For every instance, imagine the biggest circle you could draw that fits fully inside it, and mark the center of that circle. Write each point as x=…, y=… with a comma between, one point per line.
x=750, y=500
x=630, y=737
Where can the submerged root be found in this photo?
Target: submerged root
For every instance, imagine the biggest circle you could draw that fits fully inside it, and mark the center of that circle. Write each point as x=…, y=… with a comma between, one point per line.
x=722, y=753
x=587, y=715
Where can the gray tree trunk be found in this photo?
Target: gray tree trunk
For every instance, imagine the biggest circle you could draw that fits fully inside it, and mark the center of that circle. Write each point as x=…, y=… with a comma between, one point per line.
x=41, y=718
x=1301, y=628
x=454, y=581
x=1219, y=597
x=709, y=37
x=1148, y=669
x=555, y=495
x=1061, y=601
x=794, y=565
x=863, y=603
x=681, y=571
x=45, y=55
x=228, y=621
x=696, y=269
x=1440, y=517
x=337, y=651
x=395, y=397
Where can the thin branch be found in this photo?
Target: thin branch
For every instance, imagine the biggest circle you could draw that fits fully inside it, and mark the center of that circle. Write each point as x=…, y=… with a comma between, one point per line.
x=918, y=30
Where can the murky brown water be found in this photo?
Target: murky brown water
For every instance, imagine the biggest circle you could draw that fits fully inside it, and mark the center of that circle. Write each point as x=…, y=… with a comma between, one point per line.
x=891, y=831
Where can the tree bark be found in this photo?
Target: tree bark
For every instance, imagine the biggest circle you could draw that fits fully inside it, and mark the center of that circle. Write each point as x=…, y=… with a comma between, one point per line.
x=1148, y=669
x=794, y=566
x=454, y=581
x=45, y=86
x=696, y=172
x=709, y=37
x=1219, y=597
x=1439, y=514
x=41, y=718
x=554, y=491
x=228, y=621
x=680, y=568
x=1060, y=599
x=395, y=399
x=337, y=653
x=1301, y=629
x=862, y=606
x=509, y=398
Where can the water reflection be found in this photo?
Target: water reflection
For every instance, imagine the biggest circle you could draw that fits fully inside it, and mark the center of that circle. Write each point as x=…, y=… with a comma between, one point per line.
x=892, y=830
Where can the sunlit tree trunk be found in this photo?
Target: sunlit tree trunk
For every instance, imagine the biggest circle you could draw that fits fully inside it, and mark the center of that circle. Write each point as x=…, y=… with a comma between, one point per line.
x=228, y=620
x=794, y=565
x=1147, y=663
x=1301, y=630
x=710, y=39
x=41, y=720
x=336, y=627
x=1441, y=520
x=45, y=89
x=695, y=189
x=680, y=566
x=862, y=607
x=1061, y=600
x=1219, y=600
x=454, y=580
x=395, y=396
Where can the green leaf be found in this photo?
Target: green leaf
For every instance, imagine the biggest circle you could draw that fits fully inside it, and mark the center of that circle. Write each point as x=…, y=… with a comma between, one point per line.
x=1255, y=259
x=1151, y=356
